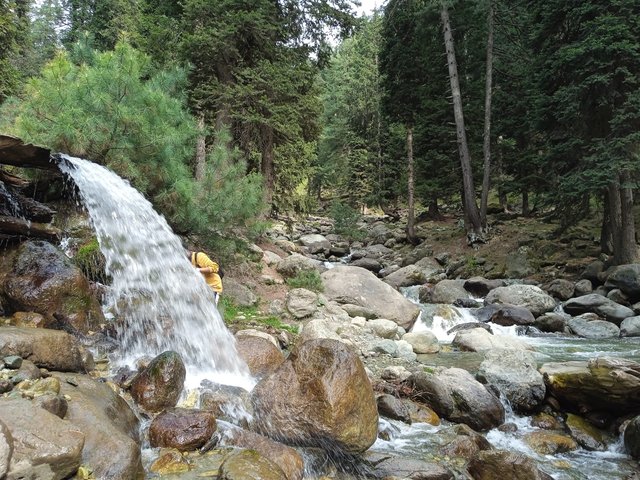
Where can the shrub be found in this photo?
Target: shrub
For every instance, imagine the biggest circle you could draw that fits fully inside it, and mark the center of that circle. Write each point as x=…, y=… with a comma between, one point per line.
x=309, y=279
x=345, y=220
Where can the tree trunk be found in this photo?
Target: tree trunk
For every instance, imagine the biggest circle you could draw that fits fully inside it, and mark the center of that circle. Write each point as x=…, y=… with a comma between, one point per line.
x=474, y=227
x=502, y=195
x=434, y=211
x=615, y=214
x=525, y=202
x=627, y=251
x=606, y=233
x=486, y=147
x=411, y=232
x=201, y=149
x=267, y=167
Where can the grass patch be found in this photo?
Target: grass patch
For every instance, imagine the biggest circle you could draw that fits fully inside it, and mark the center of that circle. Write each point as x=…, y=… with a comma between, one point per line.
x=246, y=317
x=309, y=279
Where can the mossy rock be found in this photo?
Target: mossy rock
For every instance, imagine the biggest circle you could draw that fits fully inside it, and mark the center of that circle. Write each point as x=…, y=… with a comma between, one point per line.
x=90, y=260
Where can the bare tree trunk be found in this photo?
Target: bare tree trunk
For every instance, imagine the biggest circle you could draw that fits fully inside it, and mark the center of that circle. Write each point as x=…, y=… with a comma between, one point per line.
x=525, y=202
x=201, y=149
x=474, y=226
x=486, y=148
x=411, y=232
x=267, y=167
x=606, y=233
x=627, y=251
x=502, y=196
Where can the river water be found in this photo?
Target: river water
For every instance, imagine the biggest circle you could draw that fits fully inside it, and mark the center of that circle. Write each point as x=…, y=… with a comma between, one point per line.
x=581, y=464
x=157, y=300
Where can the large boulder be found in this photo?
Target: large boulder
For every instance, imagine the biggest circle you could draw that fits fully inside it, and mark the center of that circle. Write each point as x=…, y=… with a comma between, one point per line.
x=508, y=315
x=50, y=349
x=593, y=328
x=530, y=297
x=261, y=355
x=44, y=446
x=357, y=286
x=627, y=279
x=479, y=339
x=406, y=277
x=249, y=465
x=6, y=449
x=456, y=395
x=160, y=384
x=492, y=464
x=601, y=384
x=294, y=264
x=392, y=466
x=480, y=286
x=287, y=458
x=44, y=280
x=110, y=427
x=515, y=374
x=241, y=295
x=182, y=429
x=632, y=437
x=600, y=305
x=301, y=302
x=316, y=243
x=445, y=291
x=320, y=395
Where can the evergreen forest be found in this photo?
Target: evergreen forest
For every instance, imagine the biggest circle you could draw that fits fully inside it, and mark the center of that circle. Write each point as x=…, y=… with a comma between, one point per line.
x=225, y=113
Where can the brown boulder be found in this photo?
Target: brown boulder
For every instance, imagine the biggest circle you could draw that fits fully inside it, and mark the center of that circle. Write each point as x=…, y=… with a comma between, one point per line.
x=249, y=465
x=319, y=396
x=51, y=349
x=182, y=429
x=110, y=427
x=261, y=355
x=45, y=281
x=159, y=385
x=493, y=464
x=44, y=446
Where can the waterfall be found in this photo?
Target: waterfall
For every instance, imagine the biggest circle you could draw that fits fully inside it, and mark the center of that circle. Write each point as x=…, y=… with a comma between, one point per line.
x=156, y=298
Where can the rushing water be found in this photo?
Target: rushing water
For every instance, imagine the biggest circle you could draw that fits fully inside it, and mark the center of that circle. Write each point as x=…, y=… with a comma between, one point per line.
x=581, y=464
x=157, y=300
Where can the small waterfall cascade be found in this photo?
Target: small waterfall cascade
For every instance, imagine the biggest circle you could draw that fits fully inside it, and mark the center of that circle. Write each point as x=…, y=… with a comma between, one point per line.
x=158, y=300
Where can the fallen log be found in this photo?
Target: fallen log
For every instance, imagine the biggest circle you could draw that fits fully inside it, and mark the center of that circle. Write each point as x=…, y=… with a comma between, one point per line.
x=14, y=151
x=12, y=226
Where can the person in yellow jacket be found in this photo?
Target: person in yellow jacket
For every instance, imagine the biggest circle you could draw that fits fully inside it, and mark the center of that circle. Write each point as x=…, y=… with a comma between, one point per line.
x=209, y=270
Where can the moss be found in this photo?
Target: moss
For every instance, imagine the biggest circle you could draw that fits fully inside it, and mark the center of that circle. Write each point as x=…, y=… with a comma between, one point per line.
x=90, y=260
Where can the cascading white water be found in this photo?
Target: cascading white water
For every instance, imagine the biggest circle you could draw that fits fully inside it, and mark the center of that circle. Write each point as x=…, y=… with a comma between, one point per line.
x=160, y=302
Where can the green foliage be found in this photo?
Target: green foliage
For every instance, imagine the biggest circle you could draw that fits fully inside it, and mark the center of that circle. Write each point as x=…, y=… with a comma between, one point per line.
x=345, y=221
x=91, y=261
x=250, y=316
x=309, y=279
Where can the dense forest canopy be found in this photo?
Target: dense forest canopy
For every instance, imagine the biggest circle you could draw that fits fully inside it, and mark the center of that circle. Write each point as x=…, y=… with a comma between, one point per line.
x=225, y=111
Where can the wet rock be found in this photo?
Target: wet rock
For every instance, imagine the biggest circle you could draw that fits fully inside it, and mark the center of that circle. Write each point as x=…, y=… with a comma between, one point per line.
x=301, y=302
x=588, y=386
x=546, y=422
x=109, y=425
x=422, y=342
x=480, y=286
x=55, y=404
x=44, y=446
x=469, y=326
x=508, y=315
x=457, y=396
x=593, y=329
x=367, y=263
x=170, y=462
x=28, y=319
x=261, y=355
x=587, y=436
x=287, y=458
x=393, y=408
x=37, y=388
x=249, y=464
x=479, y=339
x=182, y=429
x=485, y=313
x=445, y=291
x=27, y=371
x=6, y=449
x=630, y=327
x=44, y=280
x=421, y=413
x=632, y=438
x=617, y=296
x=51, y=349
x=325, y=382
x=5, y=386
x=160, y=384
x=493, y=464
x=515, y=374
x=530, y=297
x=550, y=443
x=602, y=306
x=466, y=443
x=411, y=468
x=551, y=323
x=357, y=286
x=225, y=402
